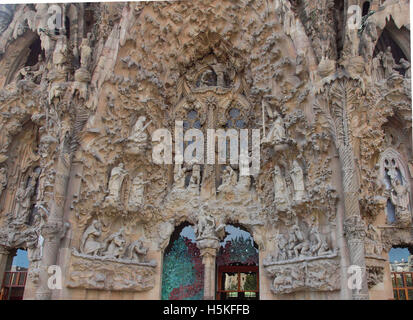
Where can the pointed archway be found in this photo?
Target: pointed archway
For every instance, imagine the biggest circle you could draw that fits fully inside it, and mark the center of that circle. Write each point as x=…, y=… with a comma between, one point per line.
x=183, y=271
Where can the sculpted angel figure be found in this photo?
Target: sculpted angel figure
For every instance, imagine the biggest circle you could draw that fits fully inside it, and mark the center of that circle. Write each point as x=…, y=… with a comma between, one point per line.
x=138, y=134
x=89, y=244
x=277, y=134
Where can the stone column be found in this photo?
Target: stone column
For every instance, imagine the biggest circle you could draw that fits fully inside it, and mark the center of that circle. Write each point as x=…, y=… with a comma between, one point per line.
x=209, y=248
x=208, y=186
x=355, y=231
x=208, y=260
x=4, y=257
x=53, y=230
x=354, y=226
x=52, y=233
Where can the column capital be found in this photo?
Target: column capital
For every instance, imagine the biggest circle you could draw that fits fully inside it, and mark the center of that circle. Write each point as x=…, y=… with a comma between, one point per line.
x=355, y=228
x=4, y=250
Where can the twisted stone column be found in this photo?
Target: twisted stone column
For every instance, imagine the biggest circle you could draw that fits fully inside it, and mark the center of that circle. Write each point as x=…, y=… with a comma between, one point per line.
x=354, y=226
x=53, y=230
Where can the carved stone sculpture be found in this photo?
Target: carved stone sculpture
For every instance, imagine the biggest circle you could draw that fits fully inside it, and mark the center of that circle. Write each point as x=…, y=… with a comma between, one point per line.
x=117, y=176
x=115, y=245
x=24, y=197
x=137, y=251
x=277, y=134
x=137, y=141
x=229, y=180
x=195, y=180
x=388, y=63
x=281, y=198
x=136, y=195
x=89, y=244
x=373, y=245
x=3, y=180
x=319, y=246
x=179, y=177
x=297, y=177
x=407, y=68
x=85, y=53
x=400, y=198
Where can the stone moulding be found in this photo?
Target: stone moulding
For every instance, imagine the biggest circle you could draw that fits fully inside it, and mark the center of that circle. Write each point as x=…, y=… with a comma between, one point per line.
x=305, y=274
x=108, y=274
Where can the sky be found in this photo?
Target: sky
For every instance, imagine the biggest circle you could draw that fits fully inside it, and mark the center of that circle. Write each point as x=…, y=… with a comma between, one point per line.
x=398, y=254
x=21, y=259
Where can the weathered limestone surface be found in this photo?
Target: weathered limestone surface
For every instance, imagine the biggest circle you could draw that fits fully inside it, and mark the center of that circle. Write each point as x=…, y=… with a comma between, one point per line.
x=79, y=105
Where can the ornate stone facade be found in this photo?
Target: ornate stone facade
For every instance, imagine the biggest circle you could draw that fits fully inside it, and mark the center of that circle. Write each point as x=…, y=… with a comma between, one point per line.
x=80, y=189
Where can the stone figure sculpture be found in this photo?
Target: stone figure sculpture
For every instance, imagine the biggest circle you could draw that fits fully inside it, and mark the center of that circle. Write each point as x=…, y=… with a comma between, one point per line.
x=89, y=244
x=115, y=245
x=388, y=63
x=206, y=227
x=400, y=198
x=277, y=134
x=319, y=246
x=302, y=248
x=373, y=245
x=24, y=197
x=3, y=179
x=137, y=251
x=195, y=180
x=229, y=180
x=407, y=68
x=136, y=195
x=297, y=177
x=138, y=139
x=179, y=177
x=117, y=176
x=377, y=68
x=280, y=189
x=282, y=248
x=85, y=53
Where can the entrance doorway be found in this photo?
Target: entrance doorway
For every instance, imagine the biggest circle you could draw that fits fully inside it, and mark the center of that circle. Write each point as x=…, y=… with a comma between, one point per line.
x=237, y=266
x=14, y=279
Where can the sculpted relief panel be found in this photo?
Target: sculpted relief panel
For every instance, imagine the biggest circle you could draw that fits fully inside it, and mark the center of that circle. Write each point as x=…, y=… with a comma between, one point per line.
x=110, y=264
